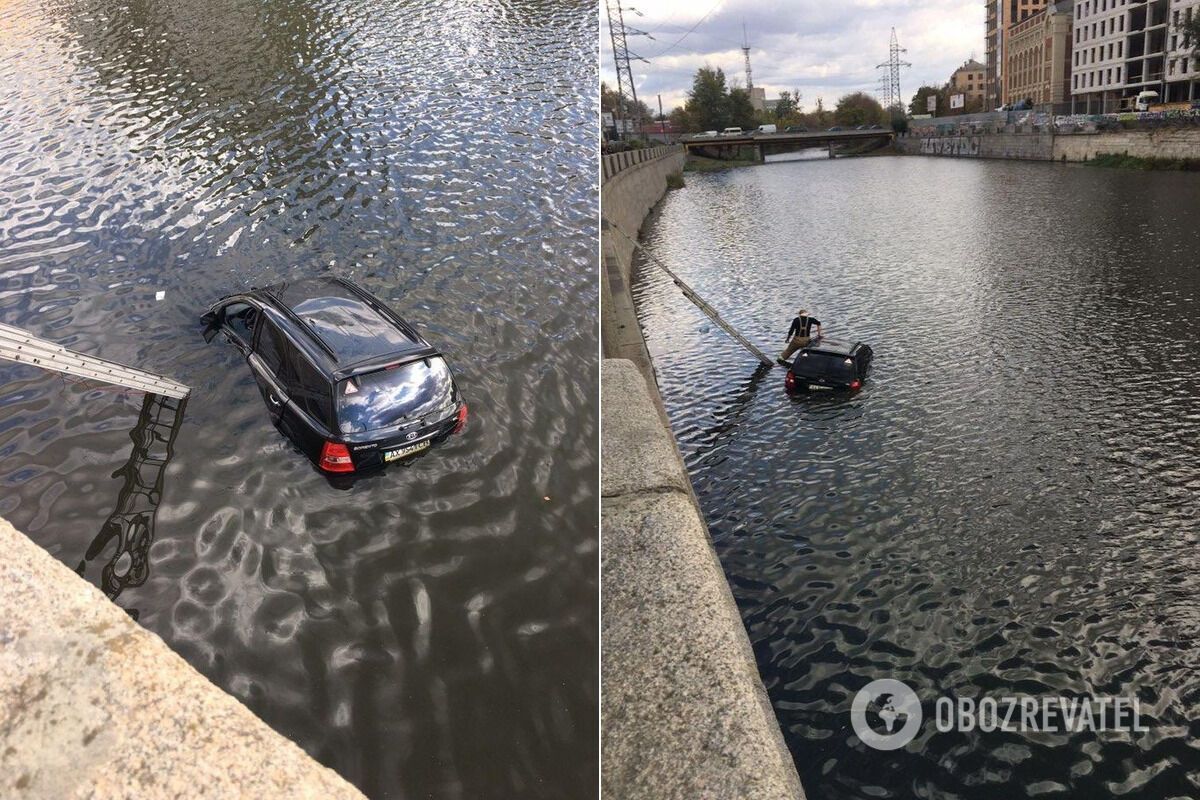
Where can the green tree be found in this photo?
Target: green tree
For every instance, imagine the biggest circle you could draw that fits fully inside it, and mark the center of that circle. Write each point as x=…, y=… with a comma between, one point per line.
x=920, y=101
x=638, y=114
x=1190, y=28
x=820, y=118
x=707, y=107
x=857, y=109
x=741, y=110
x=786, y=106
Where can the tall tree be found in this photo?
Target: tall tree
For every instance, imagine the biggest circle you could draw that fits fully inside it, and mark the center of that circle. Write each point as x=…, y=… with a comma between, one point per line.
x=820, y=117
x=609, y=100
x=1190, y=28
x=741, y=110
x=920, y=101
x=707, y=107
x=859, y=108
x=786, y=106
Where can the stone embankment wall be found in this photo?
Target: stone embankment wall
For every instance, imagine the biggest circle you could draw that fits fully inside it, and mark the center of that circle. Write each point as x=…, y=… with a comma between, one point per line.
x=1166, y=142
x=630, y=189
x=1031, y=145
x=684, y=712
x=1027, y=147
x=92, y=705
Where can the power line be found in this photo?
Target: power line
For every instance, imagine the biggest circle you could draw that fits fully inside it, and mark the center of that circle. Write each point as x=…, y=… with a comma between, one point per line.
x=690, y=31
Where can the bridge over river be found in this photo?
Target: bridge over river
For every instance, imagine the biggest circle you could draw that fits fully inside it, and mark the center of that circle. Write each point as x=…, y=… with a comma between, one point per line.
x=765, y=144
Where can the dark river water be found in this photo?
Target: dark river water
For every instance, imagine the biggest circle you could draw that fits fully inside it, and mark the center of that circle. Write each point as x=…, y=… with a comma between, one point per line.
x=1008, y=508
x=432, y=631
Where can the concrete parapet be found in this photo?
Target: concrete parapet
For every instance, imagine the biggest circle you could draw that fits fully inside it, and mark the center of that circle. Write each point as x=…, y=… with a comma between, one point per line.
x=684, y=712
x=92, y=705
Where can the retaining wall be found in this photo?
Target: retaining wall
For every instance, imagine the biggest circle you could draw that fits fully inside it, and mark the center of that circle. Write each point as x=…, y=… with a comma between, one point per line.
x=1023, y=146
x=1166, y=142
x=92, y=705
x=630, y=188
x=1159, y=143
x=684, y=713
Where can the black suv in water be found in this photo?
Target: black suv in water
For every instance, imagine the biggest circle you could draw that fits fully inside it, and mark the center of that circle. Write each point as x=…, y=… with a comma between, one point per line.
x=830, y=364
x=349, y=381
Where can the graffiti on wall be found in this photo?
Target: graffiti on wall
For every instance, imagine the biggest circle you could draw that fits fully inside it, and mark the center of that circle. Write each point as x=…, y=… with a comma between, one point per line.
x=950, y=146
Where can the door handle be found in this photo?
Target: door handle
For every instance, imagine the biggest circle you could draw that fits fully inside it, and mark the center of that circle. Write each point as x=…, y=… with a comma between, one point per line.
x=274, y=402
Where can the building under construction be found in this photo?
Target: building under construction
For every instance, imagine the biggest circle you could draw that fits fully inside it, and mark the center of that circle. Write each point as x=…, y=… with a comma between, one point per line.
x=1122, y=50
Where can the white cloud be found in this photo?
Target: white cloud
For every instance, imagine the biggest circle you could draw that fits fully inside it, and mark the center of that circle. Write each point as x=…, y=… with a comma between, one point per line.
x=825, y=49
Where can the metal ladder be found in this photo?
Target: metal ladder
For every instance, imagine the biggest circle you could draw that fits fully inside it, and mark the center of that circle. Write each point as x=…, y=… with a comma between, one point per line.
x=24, y=348
x=696, y=299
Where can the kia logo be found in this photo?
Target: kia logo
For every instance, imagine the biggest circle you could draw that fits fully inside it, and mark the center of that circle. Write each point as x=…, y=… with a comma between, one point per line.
x=411, y=436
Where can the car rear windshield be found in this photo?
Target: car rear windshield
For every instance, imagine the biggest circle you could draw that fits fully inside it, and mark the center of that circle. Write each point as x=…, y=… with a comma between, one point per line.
x=391, y=396
x=824, y=365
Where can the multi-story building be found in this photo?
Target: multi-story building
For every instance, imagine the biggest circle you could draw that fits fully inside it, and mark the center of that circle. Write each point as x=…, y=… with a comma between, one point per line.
x=1037, y=57
x=1002, y=14
x=1124, y=47
x=991, y=97
x=760, y=101
x=1182, y=77
x=971, y=80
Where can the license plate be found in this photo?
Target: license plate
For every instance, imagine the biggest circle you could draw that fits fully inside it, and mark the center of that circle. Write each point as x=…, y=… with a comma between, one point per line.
x=392, y=455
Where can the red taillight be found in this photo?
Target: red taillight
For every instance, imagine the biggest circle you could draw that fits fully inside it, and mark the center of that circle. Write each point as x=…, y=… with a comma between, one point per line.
x=336, y=458
x=856, y=385
x=790, y=381
x=462, y=418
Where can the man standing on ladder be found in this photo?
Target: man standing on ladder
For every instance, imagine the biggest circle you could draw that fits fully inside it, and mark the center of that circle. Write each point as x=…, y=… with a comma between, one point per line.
x=800, y=334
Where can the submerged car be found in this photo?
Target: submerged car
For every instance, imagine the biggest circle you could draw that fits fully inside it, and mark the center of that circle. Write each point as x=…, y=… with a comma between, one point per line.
x=343, y=376
x=829, y=364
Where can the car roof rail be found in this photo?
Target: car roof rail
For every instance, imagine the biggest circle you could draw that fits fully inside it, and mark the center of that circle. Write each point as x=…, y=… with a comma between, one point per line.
x=278, y=305
x=379, y=307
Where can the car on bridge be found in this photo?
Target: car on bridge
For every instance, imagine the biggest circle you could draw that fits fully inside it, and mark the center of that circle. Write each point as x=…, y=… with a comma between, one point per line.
x=795, y=129
x=829, y=364
x=733, y=132
x=352, y=384
x=835, y=129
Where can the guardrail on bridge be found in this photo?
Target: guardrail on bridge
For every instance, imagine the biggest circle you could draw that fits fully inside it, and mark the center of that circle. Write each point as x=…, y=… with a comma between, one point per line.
x=614, y=163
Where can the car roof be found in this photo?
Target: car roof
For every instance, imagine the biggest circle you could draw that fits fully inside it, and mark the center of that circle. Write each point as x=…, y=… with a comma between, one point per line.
x=834, y=347
x=342, y=325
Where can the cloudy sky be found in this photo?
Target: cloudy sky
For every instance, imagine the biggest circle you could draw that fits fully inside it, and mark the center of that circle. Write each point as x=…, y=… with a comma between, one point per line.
x=824, y=48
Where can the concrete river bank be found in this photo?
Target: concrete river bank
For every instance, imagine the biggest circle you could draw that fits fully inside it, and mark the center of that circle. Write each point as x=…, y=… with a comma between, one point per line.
x=1008, y=506
x=684, y=714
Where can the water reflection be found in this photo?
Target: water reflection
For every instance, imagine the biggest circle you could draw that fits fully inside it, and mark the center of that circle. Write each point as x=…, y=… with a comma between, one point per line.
x=1007, y=506
x=432, y=631
x=130, y=528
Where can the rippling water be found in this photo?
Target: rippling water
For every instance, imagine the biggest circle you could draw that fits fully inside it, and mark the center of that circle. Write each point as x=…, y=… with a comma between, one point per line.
x=431, y=632
x=1009, y=507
